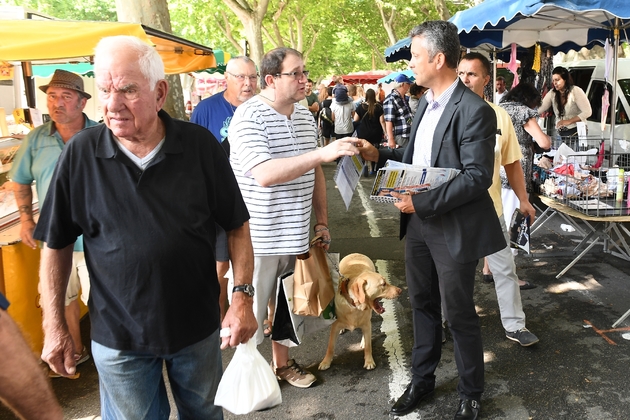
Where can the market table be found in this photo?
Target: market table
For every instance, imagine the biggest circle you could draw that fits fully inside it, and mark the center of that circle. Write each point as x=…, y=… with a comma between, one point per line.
x=602, y=228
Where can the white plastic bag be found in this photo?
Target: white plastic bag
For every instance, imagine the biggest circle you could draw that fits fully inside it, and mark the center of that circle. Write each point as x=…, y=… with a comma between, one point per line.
x=248, y=383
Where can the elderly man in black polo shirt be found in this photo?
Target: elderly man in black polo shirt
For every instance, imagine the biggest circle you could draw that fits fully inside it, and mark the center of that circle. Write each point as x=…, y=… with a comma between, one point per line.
x=145, y=191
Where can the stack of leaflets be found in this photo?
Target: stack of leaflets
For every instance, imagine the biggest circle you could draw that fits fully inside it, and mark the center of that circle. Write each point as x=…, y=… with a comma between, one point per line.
x=407, y=179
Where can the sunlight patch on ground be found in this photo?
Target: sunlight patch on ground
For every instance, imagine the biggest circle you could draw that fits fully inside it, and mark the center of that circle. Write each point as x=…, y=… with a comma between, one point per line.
x=481, y=312
x=488, y=356
x=587, y=284
x=355, y=347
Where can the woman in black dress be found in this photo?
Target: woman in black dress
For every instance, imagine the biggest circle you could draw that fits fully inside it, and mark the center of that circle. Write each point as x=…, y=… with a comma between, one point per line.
x=371, y=126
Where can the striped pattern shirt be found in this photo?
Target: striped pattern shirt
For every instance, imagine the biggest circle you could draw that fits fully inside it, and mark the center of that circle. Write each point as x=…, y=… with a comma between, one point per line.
x=280, y=214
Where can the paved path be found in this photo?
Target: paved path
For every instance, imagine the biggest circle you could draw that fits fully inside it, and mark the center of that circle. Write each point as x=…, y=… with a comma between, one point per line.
x=573, y=373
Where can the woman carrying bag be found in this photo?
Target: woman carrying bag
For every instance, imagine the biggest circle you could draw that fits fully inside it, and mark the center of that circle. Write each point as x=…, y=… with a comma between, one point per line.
x=371, y=126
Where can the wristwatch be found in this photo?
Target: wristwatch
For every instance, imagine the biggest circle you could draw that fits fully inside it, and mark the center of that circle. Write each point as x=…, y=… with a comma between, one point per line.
x=248, y=289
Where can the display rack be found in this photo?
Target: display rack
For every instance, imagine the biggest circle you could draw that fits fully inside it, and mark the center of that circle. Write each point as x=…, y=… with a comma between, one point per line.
x=9, y=215
x=586, y=177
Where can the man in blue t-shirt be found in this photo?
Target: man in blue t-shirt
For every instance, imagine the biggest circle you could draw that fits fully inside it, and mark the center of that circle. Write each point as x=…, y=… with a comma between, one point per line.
x=215, y=114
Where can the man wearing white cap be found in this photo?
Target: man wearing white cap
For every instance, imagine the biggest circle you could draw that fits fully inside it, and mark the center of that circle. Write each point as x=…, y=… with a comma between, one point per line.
x=35, y=161
x=397, y=114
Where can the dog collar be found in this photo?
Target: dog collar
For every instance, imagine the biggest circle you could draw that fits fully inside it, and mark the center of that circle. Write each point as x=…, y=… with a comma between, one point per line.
x=343, y=290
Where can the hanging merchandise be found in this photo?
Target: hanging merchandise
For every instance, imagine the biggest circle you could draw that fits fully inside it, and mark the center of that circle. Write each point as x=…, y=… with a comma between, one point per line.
x=546, y=67
x=536, y=63
x=513, y=65
x=608, y=49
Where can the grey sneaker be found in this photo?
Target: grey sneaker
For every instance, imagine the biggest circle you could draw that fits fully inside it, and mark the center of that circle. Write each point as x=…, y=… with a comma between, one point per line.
x=83, y=357
x=294, y=374
x=523, y=337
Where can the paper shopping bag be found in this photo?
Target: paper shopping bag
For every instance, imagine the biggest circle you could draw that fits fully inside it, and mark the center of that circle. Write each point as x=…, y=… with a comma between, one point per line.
x=312, y=283
x=289, y=328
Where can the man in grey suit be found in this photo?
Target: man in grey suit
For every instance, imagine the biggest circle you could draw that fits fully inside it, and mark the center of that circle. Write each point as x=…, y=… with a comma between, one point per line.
x=450, y=227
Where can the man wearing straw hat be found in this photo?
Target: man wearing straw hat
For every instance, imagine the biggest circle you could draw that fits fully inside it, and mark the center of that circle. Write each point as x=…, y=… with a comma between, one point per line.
x=35, y=161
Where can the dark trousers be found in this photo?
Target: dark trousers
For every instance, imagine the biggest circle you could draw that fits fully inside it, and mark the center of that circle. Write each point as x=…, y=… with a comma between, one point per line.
x=435, y=281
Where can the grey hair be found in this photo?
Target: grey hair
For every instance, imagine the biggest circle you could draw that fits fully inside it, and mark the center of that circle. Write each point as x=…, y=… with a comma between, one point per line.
x=149, y=61
x=233, y=60
x=441, y=37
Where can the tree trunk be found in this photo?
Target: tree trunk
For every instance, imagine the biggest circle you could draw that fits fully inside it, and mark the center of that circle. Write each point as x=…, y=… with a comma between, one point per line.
x=442, y=10
x=251, y=17
x=388, y=22
x=154, y=13
x=253, y=33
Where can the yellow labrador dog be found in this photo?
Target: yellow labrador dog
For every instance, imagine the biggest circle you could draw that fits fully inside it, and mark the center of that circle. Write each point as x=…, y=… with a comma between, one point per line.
x=360, y=288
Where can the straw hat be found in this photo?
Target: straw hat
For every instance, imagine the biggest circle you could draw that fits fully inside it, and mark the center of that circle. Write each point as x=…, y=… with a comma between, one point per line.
x=67, y=80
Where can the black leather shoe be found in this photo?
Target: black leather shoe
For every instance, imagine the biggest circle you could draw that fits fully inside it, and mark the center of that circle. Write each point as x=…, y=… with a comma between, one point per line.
x=410, y=399
x=468, y=410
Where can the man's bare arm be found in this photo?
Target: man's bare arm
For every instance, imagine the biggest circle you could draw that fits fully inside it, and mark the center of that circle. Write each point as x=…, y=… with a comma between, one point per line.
x=277, y=171
x=54, y=272
x=320, y=206
x=24, y=199
x=240, y=317
x=23, y=384
x=516, y=178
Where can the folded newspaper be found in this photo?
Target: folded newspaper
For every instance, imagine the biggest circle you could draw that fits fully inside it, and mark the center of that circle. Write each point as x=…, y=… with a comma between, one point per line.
x=407, y=179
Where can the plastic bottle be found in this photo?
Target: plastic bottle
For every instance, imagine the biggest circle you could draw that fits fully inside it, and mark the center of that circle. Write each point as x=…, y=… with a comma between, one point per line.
x=188, y=108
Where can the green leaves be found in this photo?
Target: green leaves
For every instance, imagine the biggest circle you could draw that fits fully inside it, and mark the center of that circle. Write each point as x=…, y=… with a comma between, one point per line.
x=336, y=36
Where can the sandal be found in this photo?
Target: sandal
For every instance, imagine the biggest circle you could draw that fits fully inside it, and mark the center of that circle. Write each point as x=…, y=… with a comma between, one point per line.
x=267, y=328
x=527, y=286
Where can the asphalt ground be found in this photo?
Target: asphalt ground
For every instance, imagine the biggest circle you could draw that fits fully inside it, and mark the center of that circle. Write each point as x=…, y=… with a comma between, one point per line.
x=575, y=372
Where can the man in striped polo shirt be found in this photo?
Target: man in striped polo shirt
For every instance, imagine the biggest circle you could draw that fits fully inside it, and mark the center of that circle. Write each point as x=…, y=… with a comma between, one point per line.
x=276, y=161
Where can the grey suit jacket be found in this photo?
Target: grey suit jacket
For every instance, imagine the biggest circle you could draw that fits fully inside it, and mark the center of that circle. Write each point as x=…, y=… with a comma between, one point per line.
x=464, y=139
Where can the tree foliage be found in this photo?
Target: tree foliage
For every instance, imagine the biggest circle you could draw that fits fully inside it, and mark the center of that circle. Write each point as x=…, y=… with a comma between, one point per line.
x=97, y=10
x=336, y=37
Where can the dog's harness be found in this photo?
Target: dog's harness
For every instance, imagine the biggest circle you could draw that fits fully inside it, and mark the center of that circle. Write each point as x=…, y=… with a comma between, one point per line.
x=343, y=289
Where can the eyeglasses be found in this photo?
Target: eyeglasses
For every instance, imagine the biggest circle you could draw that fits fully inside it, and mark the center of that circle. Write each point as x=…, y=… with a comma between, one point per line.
x=241, y=77
x=297, y=75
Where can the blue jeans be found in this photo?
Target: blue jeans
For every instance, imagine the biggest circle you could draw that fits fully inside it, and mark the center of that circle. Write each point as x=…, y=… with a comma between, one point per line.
x=132, y=385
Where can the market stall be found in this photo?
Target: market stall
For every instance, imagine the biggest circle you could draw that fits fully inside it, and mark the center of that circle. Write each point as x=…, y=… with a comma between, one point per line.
x=365, y=78
x=58, y=41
